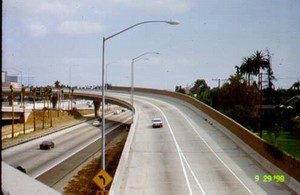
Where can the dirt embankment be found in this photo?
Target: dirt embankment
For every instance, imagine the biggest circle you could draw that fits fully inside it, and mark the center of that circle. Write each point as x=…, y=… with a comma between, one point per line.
x=82, y=182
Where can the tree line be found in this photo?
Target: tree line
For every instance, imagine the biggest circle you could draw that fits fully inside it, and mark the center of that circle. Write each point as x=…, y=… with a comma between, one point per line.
x=249, y=97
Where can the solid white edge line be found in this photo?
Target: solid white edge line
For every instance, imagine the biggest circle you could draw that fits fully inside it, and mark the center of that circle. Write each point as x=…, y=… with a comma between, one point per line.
x=181, y=155
x=76, y=151
x=193, y=174
x=179, y=151
x=213, y=151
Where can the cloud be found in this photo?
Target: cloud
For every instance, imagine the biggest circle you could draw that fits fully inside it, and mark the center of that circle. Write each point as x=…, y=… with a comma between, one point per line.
x=79, y=27
x=173, y=6
x=36, y=8
x=37, y=29
x=52, y=8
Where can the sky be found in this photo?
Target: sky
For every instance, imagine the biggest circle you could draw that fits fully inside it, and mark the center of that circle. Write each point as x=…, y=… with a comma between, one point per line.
x=62, y=40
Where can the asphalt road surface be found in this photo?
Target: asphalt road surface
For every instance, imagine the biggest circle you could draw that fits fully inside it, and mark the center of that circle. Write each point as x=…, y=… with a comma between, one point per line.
x=190, y=154
x=72, y=146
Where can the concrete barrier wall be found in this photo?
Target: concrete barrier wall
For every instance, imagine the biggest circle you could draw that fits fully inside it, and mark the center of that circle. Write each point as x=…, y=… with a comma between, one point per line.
x=282, y=160
x=108, y=99
x=117, y=182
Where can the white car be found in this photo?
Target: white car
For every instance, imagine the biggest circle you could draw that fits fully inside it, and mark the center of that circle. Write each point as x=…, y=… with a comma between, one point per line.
x=116, y=112
x=96, y=123
x=157, y=122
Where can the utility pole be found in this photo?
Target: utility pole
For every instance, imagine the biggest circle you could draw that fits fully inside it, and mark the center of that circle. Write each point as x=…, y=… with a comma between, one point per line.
x=260, y=84
x=219, y=85
x=219, y=81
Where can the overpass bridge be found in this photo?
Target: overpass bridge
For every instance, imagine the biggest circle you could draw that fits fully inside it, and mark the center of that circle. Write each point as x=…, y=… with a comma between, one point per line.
x=19, y=114
x=22, y=114
x=198, y=151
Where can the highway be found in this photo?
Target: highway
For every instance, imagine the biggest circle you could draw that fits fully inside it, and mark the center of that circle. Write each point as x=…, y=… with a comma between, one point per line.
x=82, y=140
x=191, y=154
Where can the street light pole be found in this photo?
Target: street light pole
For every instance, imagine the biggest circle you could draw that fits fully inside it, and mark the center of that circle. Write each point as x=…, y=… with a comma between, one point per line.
x=22, y=99
x=70, y=86
x=132, y=77
x=106, y=81
x=171, y=22
x=102, y=108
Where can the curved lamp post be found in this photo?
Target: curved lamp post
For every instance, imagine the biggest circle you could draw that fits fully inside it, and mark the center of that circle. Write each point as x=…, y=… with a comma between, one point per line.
x=70, y=87
x=132, y=76
x=22, y=98
x=171, y=22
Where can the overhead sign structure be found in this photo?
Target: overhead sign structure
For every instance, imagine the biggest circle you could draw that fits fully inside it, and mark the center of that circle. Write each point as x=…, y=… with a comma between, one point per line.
x=102, y=179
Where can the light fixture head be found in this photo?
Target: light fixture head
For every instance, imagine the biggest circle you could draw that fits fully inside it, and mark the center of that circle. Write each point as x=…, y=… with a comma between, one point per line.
x=173, y=22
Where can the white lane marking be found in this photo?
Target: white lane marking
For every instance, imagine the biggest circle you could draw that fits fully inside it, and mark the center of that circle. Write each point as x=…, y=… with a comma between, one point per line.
x=181, y=155
x=63, y=159
x=74, y=152
x=193, y=127
x=202, y=140
x=193, y=174
x=179, y=151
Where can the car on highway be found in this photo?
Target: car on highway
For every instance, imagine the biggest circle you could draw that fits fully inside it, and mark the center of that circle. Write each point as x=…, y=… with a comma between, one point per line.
x=157, y=122
x=89, y=104
x=47, y=145
x=20, y=168
x=97, y=123
x=116, y=112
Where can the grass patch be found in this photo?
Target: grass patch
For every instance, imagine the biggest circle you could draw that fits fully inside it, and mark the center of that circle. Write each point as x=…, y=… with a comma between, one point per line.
x=286, y=142
x=289, y=143
x=85, y=112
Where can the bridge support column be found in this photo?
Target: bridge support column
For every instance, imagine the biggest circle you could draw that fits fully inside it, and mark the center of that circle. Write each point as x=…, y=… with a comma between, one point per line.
x=96, y=107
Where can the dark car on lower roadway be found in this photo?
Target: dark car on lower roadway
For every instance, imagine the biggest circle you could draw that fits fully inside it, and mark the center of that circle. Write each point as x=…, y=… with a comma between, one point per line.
x=47, y=145
x=20, y=168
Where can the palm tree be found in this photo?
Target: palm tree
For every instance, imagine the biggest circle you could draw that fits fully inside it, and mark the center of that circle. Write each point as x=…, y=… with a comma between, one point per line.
x=247, y=68
x=271, y=77
x=260, y=61
x=23, y=91
x=45, y=98
x=44, y=107
x=57, y=86
x=252, y=66
x=12, y=109
x=33, y=93
x=49, y=97
x=296, y=86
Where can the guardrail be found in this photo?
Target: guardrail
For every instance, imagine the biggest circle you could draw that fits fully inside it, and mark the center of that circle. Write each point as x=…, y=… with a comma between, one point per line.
x=282, y=160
